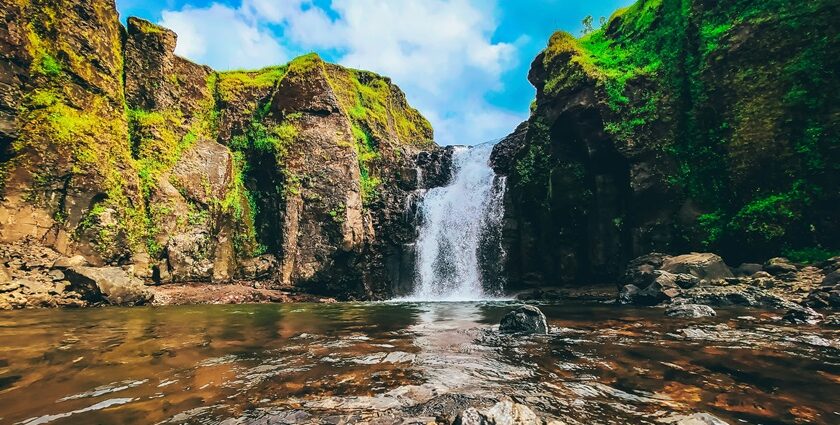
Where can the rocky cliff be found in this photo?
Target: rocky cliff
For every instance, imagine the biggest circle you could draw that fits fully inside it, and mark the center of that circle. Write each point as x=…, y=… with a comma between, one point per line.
x=679, y=125
x=115, y=148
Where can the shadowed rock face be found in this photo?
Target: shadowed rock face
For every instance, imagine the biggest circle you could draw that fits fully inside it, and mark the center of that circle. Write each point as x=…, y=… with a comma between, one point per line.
x=675, y=129
x=114, y=148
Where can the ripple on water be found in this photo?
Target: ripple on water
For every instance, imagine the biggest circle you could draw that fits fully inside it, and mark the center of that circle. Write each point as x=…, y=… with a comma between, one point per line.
x=303, y=363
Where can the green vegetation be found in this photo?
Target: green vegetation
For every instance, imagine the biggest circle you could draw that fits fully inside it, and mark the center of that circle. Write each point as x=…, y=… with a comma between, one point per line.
x=232, y=85
x=750, y=134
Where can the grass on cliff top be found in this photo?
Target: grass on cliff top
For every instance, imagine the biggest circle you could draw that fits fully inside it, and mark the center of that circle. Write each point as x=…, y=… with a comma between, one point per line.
x=232, y=84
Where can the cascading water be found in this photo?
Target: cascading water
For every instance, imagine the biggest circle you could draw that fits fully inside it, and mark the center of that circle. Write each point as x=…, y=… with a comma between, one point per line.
x=459, y=231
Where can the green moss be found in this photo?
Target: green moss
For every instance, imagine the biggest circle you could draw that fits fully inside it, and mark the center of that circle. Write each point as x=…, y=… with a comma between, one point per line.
x=147, y=27
x=231, y=85
x=48, y=65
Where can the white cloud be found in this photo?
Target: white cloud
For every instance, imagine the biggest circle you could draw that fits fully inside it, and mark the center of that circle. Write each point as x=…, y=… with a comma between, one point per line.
x=440, y=52
x=223, y=37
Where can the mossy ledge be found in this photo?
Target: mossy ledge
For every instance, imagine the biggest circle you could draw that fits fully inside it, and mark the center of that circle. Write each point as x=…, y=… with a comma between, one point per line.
x=127, y=154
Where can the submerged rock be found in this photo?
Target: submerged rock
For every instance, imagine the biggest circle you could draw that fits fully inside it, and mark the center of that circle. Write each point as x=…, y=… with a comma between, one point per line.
x=694, y=419
x=505, y=412
x=526, y=319
x=802, y=315
x=690, y=311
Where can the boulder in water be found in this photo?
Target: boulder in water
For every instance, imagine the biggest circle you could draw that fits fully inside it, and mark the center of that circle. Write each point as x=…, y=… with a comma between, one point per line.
x=694, y=419
x=503, y=412
x=802, y=315
x=526, y=320
x=690, y=311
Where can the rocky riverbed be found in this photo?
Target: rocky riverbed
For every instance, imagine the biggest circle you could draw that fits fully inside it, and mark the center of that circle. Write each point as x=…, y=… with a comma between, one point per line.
x=37, y=277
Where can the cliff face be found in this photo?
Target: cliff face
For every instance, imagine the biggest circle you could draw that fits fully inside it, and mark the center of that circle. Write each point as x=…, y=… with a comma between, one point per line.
x=680, y=125
x=116, y=149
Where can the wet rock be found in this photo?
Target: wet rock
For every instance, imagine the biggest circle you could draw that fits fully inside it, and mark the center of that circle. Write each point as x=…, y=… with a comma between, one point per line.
x=802, y=315
x=694, y=419
x=628, y=294
x=687, y=281
x=690, y=311
x=447, y=406
x=779, y=265
x=505, y=412
x=504, y=152
x=663, y=288
x=706, y=266
x=824, y=297
x=640, y=271
x=832, y=321
x=526, y=319
x=831, y=279
x=112, y=285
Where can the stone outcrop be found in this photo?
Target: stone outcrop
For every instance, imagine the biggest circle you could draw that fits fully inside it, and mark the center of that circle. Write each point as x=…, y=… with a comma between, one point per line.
x=675, y=129
x=527, y=319
x=115, y=149
x=706, y=280
x=112, y=284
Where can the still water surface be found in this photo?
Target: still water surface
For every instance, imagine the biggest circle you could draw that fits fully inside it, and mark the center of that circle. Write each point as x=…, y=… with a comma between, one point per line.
x=314, y=362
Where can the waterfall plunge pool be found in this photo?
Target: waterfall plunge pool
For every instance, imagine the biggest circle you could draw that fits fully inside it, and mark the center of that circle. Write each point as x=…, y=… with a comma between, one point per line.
x=327, y=363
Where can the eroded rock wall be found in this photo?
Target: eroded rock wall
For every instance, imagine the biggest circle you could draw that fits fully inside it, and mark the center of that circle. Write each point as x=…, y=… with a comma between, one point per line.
x=679, y=126
x=115, y=148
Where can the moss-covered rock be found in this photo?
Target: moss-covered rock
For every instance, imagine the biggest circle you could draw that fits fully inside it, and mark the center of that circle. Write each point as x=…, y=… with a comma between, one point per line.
x=69, y=154
x=680, y=125
x=115, y=148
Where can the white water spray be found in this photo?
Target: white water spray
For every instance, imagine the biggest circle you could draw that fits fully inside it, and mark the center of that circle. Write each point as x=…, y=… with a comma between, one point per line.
x=456, y=221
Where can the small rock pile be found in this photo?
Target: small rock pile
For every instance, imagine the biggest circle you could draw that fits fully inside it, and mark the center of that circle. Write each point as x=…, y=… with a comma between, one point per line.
x=704, y=279
x=33, y=276
x=827, y=295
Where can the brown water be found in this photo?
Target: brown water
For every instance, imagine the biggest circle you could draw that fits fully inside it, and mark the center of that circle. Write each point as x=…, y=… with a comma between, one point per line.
x=302, y=363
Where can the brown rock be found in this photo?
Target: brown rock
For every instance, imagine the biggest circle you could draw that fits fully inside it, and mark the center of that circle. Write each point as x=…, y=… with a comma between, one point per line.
x=702, y=265
x=112, y=285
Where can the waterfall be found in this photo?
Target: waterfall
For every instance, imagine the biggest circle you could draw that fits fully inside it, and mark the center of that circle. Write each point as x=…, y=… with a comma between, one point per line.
x=459, y=236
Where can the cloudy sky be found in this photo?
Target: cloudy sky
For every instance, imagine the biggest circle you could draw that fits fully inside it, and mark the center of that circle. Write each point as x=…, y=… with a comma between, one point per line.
x=462, y=63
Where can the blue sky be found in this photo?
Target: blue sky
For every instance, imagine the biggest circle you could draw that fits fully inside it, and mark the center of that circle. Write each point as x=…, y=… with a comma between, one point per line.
x=462, y=63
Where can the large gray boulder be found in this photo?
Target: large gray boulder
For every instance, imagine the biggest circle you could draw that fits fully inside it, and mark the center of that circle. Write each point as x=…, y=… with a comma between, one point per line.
x=112, y=285
x=526, y=320
x=705, y=265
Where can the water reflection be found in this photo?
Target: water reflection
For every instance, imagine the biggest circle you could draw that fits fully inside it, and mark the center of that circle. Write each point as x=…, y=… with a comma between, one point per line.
x=302, y=362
